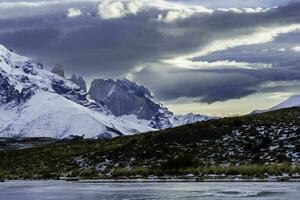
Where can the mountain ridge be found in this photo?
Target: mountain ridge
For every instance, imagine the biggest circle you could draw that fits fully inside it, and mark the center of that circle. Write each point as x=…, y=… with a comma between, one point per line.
x=125, y=98
x=69, y=109
x=66, y=109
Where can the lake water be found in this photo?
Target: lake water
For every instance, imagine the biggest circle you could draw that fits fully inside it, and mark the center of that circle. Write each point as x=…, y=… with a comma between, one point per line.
x=59, y=190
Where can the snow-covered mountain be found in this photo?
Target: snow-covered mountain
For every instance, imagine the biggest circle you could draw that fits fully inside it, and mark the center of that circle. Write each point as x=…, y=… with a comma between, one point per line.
x=35, y=103
x=293, y=101
x=191, y=118
x=130, y=100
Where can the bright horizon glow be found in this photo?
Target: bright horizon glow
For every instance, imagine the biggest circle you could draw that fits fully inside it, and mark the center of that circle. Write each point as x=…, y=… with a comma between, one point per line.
x=232, y=107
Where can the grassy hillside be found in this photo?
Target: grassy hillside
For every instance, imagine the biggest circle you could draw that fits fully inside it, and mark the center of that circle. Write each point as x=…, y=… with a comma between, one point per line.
x=250, y=145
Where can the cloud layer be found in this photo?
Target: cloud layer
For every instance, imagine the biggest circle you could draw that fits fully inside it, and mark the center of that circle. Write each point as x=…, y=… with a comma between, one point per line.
x=207, y=52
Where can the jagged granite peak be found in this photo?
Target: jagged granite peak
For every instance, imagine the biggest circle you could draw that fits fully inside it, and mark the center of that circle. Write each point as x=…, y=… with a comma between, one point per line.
x=126, y=98
x=58, y=70
x=37, y=103
x=79, y=81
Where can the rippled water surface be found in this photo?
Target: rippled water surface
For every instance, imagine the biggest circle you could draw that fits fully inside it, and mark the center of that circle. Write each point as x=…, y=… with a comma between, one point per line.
x=59, y=190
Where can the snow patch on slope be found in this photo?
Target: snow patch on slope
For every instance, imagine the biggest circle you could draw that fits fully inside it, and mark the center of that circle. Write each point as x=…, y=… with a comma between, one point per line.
x=293, y=101
x=48, y=114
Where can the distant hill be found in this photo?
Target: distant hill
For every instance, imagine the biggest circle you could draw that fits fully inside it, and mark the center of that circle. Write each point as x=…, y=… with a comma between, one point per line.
x=293, y=101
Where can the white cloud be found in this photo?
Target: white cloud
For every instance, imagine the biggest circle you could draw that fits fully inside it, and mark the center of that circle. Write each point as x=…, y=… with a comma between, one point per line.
x=173, y=15
x=177, y=11
x=296, y=49
x=74, y=12
x=134, y=7
x=176, y=6
x=280, y=95
x=185, y=63
x=246, y=10
x=109, y=9
x=274, y=49
x=235, y=10
x=130, y=75
x=262, y=35
x=257, y=10
x=281, y=49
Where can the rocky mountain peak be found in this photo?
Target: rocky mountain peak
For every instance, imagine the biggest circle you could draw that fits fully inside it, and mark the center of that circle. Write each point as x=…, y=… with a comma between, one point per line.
x=79, y=81
x=58, y=70
x=124, y=97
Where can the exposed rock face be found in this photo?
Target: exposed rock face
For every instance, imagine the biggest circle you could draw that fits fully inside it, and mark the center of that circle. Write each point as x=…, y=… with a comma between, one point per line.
x=123, y=97
x=126, y=98
x=58, y=70
x=8, y=94
x=79, y=81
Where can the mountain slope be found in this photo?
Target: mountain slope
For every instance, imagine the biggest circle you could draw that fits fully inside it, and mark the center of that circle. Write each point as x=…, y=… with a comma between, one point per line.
x=35, y=102
x=293, y=101
x=51, y=115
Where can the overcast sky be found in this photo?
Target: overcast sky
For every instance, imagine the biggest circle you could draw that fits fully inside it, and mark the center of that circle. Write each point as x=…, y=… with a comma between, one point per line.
x=217, y=57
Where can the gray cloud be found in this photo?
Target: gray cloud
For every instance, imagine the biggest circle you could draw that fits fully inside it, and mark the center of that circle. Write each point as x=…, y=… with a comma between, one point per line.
x=209, y=86
x=39, y=38
x=93, y=46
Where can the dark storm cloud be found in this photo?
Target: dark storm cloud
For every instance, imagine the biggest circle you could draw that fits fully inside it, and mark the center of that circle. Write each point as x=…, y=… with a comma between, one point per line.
x=93, y=46
x=213, y=85
x=32, y=39
x=198, y=84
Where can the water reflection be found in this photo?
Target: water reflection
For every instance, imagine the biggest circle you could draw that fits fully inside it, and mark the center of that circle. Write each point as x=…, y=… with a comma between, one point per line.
x=59, y=190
